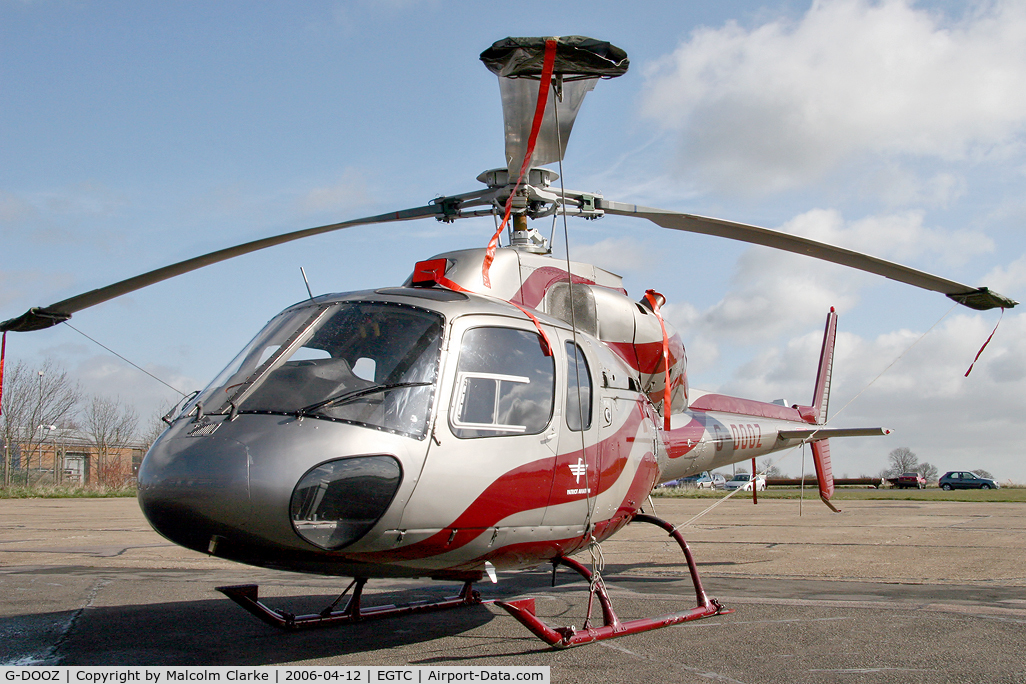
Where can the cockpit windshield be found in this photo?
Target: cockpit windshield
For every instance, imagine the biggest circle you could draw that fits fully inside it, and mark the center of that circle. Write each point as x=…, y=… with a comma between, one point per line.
x=369, y=363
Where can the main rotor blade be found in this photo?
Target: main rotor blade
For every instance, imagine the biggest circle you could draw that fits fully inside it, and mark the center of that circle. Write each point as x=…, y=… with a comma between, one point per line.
x=979, y=298
x=39, y=318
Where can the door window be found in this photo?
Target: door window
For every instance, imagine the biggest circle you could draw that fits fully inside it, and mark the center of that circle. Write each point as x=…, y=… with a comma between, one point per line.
x=578, y=389
x=504, y=384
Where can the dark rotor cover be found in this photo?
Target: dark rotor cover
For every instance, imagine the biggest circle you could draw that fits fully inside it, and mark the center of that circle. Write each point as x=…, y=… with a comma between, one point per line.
x=577, y=57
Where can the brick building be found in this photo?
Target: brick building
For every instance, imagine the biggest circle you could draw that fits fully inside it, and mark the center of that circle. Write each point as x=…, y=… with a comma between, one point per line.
x=77, y=459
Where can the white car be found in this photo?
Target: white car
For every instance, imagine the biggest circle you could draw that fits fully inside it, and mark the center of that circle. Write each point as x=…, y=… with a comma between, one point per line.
x=707, y=480
x=744, y=481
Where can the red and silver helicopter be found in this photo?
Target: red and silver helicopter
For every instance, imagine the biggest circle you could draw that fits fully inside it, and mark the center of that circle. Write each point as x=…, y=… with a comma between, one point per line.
x=501, y=409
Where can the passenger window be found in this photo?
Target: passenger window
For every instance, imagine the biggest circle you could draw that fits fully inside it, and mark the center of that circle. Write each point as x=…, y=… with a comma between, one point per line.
x=504, y=384
x=578, y=389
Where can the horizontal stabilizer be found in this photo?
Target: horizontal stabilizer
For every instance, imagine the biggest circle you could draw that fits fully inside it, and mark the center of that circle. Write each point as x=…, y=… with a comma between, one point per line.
x=815, y=434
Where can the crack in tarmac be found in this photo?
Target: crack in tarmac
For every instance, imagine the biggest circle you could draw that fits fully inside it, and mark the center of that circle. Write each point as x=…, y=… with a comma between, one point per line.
x=705, y=674
x=49, y=657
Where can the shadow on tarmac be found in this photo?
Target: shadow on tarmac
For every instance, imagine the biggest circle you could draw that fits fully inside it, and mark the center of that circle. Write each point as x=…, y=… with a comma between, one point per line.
x=216, y=632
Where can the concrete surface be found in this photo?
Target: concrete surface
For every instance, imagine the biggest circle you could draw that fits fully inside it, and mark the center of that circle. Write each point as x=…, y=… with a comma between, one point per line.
x=886, y=591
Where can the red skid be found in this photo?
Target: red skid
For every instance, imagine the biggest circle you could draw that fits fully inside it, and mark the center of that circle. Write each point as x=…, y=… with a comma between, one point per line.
x=246, y=596
x=565, y=637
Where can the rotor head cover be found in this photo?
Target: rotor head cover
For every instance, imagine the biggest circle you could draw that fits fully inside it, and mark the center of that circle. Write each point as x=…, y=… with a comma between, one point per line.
x=577, y=57
x=579, y=63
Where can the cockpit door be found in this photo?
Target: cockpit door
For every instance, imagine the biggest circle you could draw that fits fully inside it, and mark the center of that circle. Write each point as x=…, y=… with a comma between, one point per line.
x=492, y=450
x=577, y=475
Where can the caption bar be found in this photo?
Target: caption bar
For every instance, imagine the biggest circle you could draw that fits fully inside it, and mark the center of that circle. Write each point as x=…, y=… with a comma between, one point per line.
x=272, y=674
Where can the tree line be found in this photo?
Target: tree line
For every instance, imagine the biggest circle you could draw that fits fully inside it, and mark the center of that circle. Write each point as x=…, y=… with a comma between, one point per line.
x=900, y=460
x=42, y=402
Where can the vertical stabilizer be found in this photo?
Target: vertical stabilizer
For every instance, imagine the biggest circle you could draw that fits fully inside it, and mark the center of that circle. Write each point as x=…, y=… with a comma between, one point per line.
x=821, y=405
x=821, y=397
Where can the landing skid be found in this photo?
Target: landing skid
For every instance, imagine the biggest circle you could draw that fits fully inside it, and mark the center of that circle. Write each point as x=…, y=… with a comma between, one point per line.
x=565, y=637
x=246, y=596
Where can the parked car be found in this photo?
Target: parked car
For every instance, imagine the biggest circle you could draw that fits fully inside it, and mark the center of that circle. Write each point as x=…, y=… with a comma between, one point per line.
x=706, y=480
x=709, y=480
x=691, y=481
x=961, y=479
x=908, y=480
x=702, y=481
x=744, y=481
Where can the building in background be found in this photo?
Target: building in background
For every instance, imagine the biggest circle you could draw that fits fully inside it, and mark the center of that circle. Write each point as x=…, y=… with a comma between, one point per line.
x=68, y=456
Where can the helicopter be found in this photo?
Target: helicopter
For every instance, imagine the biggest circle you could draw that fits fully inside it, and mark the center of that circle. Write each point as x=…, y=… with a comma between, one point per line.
x=500, y=409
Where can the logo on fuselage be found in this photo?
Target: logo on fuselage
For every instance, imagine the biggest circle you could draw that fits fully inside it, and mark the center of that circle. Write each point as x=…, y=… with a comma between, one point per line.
x=578, y=469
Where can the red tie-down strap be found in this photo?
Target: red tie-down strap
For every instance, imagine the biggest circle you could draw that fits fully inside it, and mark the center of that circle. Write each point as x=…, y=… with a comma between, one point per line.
x=653, y=297
x=985, y=343
x=432, y=272
x=532, y=140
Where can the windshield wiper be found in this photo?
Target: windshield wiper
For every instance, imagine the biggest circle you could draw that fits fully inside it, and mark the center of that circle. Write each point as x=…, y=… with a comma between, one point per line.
x=346, y=397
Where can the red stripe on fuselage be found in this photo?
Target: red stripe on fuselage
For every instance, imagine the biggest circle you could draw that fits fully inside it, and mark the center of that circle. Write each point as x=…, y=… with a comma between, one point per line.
x=528, y=487
x=538, y=283
x=647, y=357
x=527, y=554
x=680, y=441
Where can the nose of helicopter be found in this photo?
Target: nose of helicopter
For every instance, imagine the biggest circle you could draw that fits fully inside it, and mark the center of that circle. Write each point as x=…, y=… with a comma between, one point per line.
x=195, y=491
x=263, y=488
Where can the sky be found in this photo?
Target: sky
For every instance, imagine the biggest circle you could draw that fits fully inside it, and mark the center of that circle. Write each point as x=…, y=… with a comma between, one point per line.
x=133, y=135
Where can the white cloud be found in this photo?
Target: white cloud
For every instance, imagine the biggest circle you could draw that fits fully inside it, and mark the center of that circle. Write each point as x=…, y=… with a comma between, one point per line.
x=108, y=376
x=349, y=191
x=16, y=285
x=615, y=254
x=898, y=236
x=1008, y=279
x=948, y=419
x=782, y=104
x=50, y=216
x=773, y=292
x=915, y=385
x=898, y=186
x=83, y=199
x=14, y=211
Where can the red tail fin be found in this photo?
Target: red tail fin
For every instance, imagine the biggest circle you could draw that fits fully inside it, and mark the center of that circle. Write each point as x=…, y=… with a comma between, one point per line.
x=821, y=398
x=821, y=405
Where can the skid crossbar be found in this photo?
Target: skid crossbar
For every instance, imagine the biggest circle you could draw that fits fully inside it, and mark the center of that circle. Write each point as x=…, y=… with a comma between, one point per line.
x=565, y=637
x=246, y=596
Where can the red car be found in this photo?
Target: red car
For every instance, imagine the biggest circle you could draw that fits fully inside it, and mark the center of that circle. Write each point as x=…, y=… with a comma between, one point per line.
x=908, y=480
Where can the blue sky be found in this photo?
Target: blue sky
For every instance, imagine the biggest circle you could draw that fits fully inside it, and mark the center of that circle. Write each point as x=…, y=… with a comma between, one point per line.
x=133, y=135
